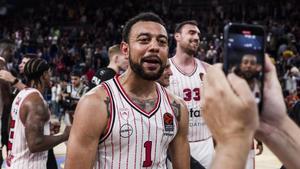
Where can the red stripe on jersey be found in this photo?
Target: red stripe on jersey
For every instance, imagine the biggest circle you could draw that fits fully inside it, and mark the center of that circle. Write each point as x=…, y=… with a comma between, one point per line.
x=112, y=113
x=136, y=139
x=169, y=102
x=120, y=141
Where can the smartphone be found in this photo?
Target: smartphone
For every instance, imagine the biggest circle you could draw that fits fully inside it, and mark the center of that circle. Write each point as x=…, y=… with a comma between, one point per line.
x=244, y=49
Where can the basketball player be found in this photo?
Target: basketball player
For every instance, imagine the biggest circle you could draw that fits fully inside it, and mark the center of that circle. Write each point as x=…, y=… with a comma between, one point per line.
x=29, y=137
x=249, y=69
x=118, y=63
x=164, y=79
x=231, y=113
x=185, y=83
x=130, y=121
x=18, y=85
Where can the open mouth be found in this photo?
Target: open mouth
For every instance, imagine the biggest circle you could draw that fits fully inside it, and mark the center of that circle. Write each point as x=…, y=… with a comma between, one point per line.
x=152, y=60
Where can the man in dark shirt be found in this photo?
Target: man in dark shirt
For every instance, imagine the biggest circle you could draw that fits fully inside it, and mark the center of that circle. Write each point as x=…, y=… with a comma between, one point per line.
x=118, y=63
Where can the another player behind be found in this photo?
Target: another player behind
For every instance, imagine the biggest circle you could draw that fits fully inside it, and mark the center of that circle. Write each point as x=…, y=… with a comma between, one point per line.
x=186, y=82
x=164, y=79
x=29, y=137
x=130, y=121
x=118, y=63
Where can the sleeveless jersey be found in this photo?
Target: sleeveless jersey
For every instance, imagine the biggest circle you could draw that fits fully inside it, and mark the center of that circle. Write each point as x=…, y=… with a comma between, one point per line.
x=19, y=155
x=187, y=87
x=135, y=138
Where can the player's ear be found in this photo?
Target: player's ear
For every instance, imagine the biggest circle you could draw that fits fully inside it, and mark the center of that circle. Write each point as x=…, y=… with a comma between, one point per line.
x=177, y=36
x=124, y=47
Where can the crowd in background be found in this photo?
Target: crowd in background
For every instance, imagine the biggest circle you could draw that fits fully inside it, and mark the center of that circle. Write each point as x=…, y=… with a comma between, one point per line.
x=74, y=35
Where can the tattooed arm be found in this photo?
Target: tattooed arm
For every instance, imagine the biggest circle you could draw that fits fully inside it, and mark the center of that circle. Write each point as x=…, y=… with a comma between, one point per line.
x=90, y=120
x=179, y=148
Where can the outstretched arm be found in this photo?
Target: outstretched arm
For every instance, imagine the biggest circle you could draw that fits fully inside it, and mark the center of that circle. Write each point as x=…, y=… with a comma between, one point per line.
x=231, y=114
x=89, y=123
x=277, y=130
x=8, y=77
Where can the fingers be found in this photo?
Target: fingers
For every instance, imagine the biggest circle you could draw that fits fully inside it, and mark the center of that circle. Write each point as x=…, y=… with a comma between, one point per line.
x=215, y=79
x=241, y=88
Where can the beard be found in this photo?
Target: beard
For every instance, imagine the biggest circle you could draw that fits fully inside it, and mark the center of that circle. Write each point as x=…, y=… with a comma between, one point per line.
x=189, y=49
x=138, y=69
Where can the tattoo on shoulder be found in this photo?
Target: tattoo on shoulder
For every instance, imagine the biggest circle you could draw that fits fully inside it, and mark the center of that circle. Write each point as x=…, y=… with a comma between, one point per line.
x=176, y=108
x=107, y=102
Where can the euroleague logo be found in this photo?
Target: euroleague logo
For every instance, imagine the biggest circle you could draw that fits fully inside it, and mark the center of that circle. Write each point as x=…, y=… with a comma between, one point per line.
x=168, y=124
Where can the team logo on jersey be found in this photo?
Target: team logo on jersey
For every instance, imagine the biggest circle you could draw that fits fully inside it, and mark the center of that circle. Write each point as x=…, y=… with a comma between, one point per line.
x=168, y=124
x=124, y=113
x=126, y=130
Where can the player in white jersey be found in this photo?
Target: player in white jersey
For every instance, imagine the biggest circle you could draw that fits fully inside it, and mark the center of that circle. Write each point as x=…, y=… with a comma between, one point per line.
x=29, y=136
x=131, y=121
x=186, y=82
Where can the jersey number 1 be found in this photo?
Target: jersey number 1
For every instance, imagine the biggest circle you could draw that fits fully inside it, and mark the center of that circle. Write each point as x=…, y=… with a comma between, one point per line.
x=148, y=147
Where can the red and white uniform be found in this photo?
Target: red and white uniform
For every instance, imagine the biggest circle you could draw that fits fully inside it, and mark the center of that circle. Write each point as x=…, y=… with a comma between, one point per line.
x=19, y=156
x=135, y=138
x=187, y=87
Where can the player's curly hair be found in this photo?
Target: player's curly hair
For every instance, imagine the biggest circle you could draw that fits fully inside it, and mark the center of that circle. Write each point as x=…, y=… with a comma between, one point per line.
x=35, y=68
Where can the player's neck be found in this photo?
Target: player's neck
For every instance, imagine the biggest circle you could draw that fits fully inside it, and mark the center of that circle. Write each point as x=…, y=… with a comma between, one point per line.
x=114, y=67
x=137, y=86
x=182, y=58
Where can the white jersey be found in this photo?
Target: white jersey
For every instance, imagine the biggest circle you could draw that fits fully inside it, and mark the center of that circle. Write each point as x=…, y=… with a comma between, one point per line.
x=135, y=138
x=19, y=156
x=187, y=87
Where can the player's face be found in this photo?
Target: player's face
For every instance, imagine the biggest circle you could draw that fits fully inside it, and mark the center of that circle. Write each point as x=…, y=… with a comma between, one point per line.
x=148, y=49
x=248, y=66
x=164, y=79
x=189, y=38
x=75, y=80
x=22, y=64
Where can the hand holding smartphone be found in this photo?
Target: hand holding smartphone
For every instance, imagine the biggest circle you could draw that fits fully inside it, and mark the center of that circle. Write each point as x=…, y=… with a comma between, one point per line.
x=244, y=48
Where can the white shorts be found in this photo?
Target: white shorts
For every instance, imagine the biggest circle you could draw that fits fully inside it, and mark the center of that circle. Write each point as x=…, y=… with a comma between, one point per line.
x=203, y=151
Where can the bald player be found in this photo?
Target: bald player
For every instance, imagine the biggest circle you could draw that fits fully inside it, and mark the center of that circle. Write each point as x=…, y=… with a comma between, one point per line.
x=29, y=136
x=118, y=63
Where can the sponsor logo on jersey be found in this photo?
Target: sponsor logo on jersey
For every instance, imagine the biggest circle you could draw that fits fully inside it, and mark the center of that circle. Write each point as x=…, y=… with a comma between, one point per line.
x=126, y=130
x=168, y=124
